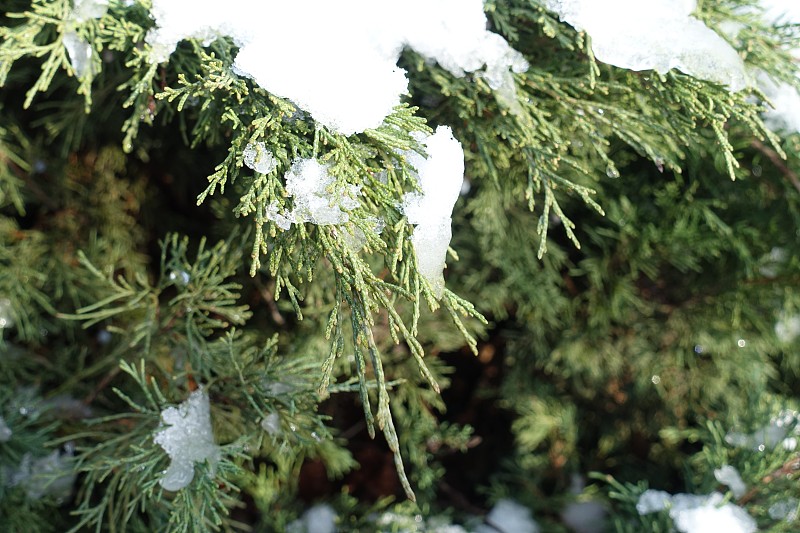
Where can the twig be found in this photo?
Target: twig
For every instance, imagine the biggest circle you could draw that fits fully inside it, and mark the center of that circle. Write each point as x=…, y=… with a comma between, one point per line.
x=776, y=160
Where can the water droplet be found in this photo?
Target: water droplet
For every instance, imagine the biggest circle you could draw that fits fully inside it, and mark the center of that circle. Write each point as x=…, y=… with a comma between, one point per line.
x=761, y=447
x=612, y=172
x=656, y=379
x=315, y=436
x=292, y=427
x=698, y=349
x=741, y=343
x=600, y=111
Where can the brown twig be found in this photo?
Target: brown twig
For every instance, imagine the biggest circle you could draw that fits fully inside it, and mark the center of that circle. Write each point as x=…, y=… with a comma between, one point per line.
x=776, y=160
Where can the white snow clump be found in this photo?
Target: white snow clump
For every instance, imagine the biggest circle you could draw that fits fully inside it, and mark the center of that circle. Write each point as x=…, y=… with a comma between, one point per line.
x=784, y=117
x=769, y=436
x=257, y=157
x=439, y=176
x=785, y=510
x=78, y=49
x=271, y=423
x=309, y=182
x=787, y=328
x=655, y=35
x=50, y=475
x=729, y=476
x=338, y=60
x=508, y=516
x=693, y=513
x=5, y=431
x=187, y=439
x=320, y=518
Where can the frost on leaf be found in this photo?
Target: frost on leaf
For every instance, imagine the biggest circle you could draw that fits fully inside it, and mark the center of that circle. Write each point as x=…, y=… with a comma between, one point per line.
x=187, y=439
x=342, y=67
x=656, y=35
x=439, y=177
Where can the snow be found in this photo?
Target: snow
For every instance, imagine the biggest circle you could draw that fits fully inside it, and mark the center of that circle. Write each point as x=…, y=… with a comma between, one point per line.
x=785, y=116
x=187, y=439
x=785, y=510
x=693, y=513
x=781, y=11
x=508, y=516
x=271, y=423
x=257, y=157
x=49, y=476
x=656, y=35
x=787, y=329
x=729, y=476
x=439, y=176
x=83, y=10
x=78, y=49
x=769, y=436
x=5, y=431
x=584, y=517
x=320, y=518
x=338, y=60
x=317, y=199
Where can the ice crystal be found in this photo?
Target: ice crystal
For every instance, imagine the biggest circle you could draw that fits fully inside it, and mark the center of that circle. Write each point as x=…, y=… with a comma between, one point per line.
x=187, y=439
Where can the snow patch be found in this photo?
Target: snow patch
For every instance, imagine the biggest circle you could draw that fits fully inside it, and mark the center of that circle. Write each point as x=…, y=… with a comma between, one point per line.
x=693, y=513
x=508, y=516
x=729, y=476
x=338, y=60
x=5, y=431
x=769, y=436
x=440, y=176
x=257, y=157
x=316, y=197
x=50, y=475
x=656, y=35
x=187, y=439
x=78, y=49
x=320, y=518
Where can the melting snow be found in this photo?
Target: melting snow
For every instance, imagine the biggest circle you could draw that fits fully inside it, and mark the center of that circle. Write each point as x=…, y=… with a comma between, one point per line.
x=508, y=516
x=340, y=64
x=728, y=475
x=187, y=439
x=439, y=176
x=257, y=157
x=315, y=196
x=5, y=431
x=697, y=514
x=656, y=35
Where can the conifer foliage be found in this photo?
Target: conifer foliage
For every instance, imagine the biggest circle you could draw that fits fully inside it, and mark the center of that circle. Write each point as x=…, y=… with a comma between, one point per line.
x=450, y=265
